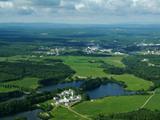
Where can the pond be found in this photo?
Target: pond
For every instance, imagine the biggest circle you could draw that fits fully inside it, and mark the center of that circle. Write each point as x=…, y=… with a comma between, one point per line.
x=109, y=89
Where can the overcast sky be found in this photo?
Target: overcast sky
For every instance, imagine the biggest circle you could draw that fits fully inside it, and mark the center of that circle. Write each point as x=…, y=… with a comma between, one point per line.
x=80, y=11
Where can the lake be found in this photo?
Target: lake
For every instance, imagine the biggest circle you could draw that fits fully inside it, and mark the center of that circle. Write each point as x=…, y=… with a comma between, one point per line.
x=109, y=89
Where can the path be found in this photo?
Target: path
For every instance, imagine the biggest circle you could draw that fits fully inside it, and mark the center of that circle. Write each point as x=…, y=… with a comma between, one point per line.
x=55, y=108
x=83, y=116
x=148, y=100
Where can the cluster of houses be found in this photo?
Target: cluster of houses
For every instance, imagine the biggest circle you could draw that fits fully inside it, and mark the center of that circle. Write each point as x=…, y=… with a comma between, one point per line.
x=148, y=44
x=151, y=52
x=48, y=51
x=67, y=98
x=95, y=49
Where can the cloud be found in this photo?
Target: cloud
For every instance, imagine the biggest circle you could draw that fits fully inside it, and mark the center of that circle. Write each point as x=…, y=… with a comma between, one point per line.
x=79, y=6
x=46, y=3
x=94, y=6
x=26, y=10
x=6, y=4
x=84, y=9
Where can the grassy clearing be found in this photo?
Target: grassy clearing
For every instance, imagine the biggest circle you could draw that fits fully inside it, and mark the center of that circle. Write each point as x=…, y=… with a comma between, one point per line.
x=3, y=90
x=154, y=104
x=90, y=66
x=111, y=105
x=84, y=67
x=31, y=83
x=116, y=61
x=64, y=114
x=133, y=82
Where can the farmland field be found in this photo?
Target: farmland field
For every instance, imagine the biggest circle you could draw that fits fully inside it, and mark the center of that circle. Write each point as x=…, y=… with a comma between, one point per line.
x=111, y=105
x=153, y=104
x=64, y=114
x=91, y=66
x=2, y=89
x=133, y=82
x=31, y=83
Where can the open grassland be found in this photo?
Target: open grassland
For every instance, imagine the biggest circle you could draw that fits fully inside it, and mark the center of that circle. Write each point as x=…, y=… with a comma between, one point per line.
x=85, y=66
x=107, y=106
x=64, y=114
x=111, y=105
x=31, y=83
x=115, y=60
x=153, y=103
x=90, y=66
x=133, y=82
x=3, y=90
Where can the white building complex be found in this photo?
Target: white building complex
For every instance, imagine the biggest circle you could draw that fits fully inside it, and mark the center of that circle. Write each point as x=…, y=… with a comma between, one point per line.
x=67, y=98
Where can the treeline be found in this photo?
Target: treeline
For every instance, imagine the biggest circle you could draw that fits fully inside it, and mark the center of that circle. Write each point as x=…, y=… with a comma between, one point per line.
x=7, y=95
x=113, y=69
x=135, y=65
x=16, y=106
x=17, y=70
x=81, y=53
x=142, y=114
x=16, y=87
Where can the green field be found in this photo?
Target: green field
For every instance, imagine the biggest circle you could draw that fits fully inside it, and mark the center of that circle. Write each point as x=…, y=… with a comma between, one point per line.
x=83, y=67
x=116, y=61
x=110, y=105
x=107, y=106
x=64, y=114
x=153, y=104
x=31, y=83
x=90, y=66
x=133, y=82
x=3, y=90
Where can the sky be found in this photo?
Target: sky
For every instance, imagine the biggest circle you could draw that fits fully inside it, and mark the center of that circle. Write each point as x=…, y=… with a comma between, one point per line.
x=81, y=11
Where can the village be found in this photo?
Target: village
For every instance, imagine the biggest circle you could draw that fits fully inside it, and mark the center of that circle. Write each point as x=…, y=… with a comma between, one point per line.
x=98, y=50
x=48, y=51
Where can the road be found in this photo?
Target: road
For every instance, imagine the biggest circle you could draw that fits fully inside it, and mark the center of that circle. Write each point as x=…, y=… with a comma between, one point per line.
x=75, y=112
x=148, y=100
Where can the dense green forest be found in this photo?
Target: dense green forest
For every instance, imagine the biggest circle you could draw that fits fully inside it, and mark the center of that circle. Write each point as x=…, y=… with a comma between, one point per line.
x=10, y=71
x=142, y=114
x=144, y=69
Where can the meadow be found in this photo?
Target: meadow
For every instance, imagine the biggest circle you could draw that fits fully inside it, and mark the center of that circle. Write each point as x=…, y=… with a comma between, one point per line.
x=3, y=90
x=90, y=66
x=108, y=106
x=133, y=82
x=84, y=67
x=111, y=105
x=28, y=82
